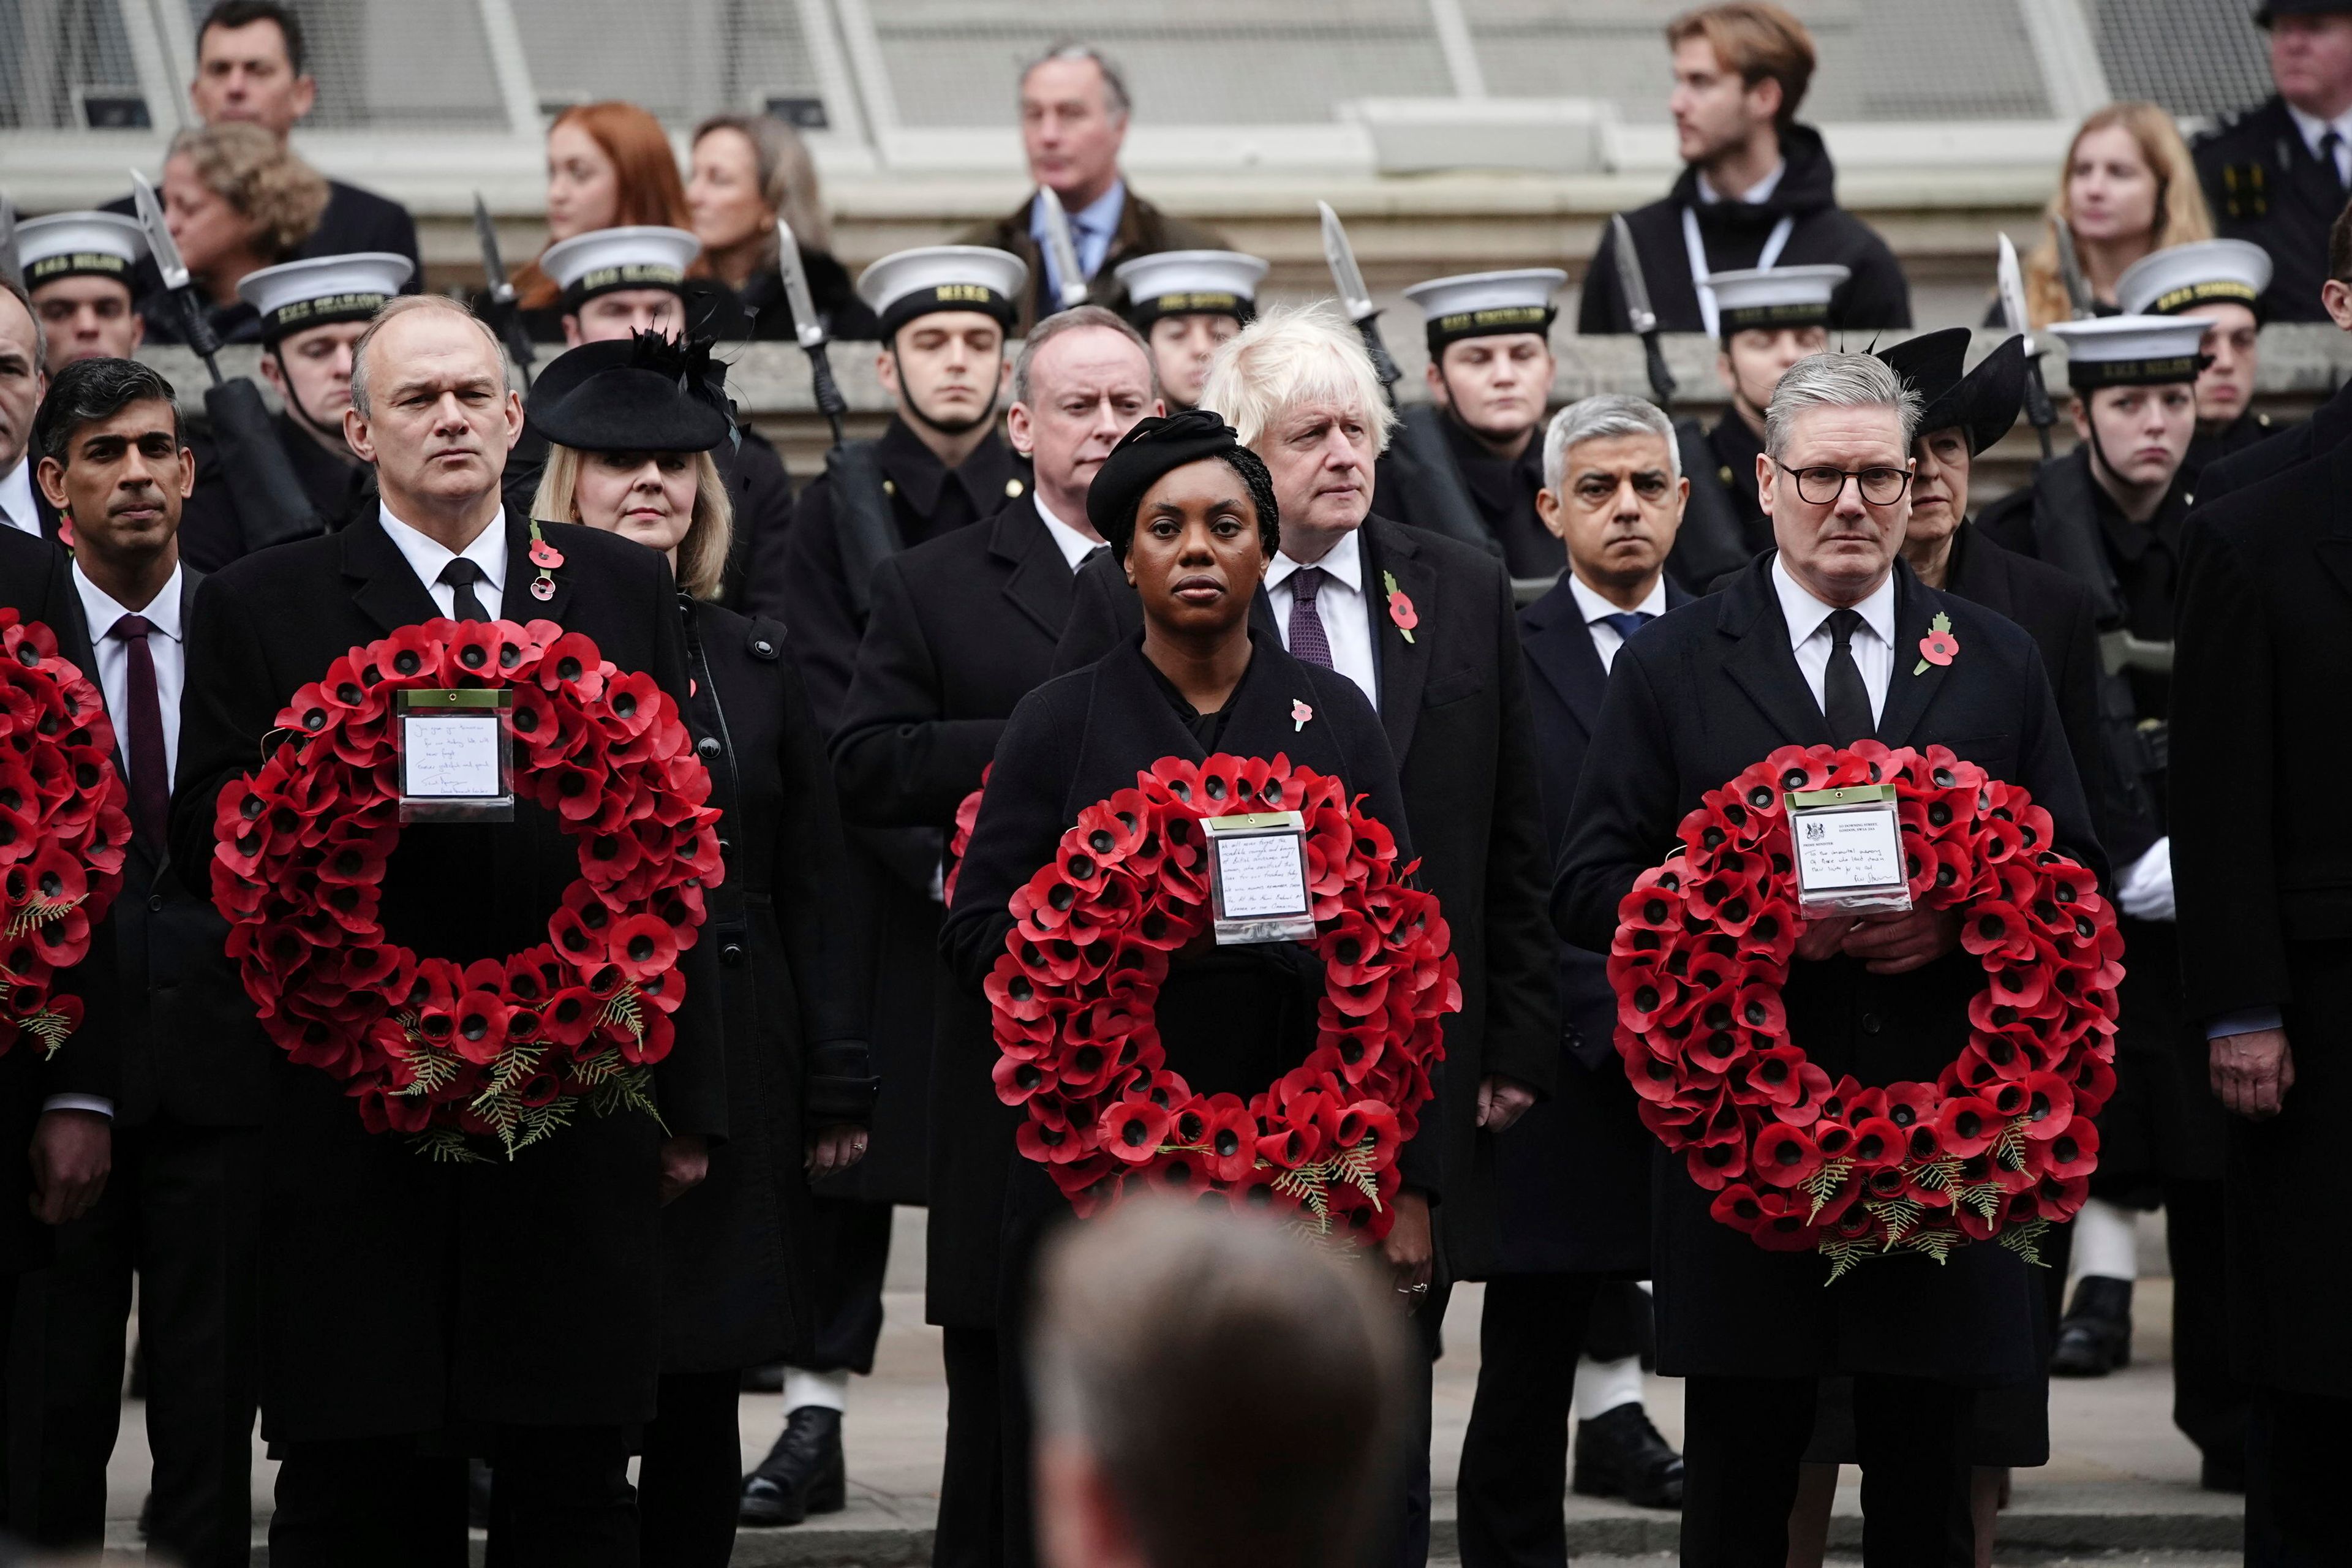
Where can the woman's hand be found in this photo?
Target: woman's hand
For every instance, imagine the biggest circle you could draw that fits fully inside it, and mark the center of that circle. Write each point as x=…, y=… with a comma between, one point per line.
x=835, y=1149
x=684, y=1161
x=1408, y=1250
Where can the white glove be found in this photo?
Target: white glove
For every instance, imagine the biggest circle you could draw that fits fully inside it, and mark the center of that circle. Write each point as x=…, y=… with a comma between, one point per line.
x=2145, y=889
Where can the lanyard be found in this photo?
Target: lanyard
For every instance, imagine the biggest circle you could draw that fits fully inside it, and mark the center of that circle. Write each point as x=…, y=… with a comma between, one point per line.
x=1698, y=269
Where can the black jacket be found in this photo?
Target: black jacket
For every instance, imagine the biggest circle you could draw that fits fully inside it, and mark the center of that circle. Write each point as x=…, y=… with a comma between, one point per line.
x=846, y=317
x=1574, y=1172
x=212, y=529
x=366, y=1242
x=1723, y=524
x=1734, y=233
x=1453, y=701
x=1436, y=475
x=2264, y=184
x=963, y=628
x=737, y=1250
x=1697, y=696
x=2317, y=437
x=2247, y=431
x=2262, y=720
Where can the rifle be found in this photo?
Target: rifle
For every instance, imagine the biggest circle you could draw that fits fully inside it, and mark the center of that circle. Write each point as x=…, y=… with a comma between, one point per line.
x=1356, y=300
x=808, y=328
x=504, y=314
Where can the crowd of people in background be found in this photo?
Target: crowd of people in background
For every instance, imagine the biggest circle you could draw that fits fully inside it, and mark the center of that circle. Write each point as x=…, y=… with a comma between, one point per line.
x=1109, y=519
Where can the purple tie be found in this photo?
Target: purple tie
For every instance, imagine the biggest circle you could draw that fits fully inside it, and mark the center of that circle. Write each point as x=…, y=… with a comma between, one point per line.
x=1307, y=642
x=150, y=772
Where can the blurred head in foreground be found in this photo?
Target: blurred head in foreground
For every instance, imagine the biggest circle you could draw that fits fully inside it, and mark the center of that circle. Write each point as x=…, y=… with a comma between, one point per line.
x=1211, y=1390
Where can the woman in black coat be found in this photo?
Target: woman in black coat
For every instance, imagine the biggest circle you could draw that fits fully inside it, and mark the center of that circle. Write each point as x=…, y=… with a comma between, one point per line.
x=800, y=1091
x=1191, y=514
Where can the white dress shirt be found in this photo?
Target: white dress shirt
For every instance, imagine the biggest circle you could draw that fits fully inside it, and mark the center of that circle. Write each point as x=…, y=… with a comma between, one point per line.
x=1596, y=610
x=1075, y=546
x=2314, y=128
x=1811, y=639
x=1340, y=605
x=17, y=497
x=427, y=556
x=166, y=645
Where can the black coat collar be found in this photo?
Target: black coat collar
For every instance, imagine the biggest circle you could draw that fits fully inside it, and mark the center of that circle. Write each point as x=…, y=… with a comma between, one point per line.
x=1390, y=551
x=389, y=593
x=917, y=476
x=1042, y=584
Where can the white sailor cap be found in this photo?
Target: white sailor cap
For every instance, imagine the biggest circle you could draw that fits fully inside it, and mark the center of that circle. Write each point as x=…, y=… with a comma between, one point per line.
x=294, y=296
x=2130, y=350
x=1767, y=299
x=1191, y=283
x=603, y=260
x=2183, y=276
x=1488, y=304
x=80, y=244
x=906, y=284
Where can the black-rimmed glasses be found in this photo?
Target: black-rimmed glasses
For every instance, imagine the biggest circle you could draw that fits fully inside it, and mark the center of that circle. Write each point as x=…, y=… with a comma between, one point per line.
x=1823, y=486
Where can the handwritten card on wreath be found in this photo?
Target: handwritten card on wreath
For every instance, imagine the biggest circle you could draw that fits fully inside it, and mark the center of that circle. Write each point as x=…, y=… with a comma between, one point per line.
x=1258, y=877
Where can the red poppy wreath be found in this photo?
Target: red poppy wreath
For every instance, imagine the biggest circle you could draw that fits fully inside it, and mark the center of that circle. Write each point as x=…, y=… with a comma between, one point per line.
x=63, y=829
x=1073, y=1001
x=1999, y=1146
x=497, y=1047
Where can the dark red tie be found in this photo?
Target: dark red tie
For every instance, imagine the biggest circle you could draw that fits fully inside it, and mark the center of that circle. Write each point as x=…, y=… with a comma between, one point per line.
x=151, y=768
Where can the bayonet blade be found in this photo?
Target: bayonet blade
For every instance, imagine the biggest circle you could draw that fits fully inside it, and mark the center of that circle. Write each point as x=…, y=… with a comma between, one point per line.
x=485, y=233
x=1631, y=284
x=160, y=243
x=1346, y=276
x=2012, y=295
x=2078, y=291
x=806, y=326
x=1063, y=247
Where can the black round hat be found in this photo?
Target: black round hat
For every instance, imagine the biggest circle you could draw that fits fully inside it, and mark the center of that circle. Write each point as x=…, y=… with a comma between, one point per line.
x=1983, y=402
x=642, y=394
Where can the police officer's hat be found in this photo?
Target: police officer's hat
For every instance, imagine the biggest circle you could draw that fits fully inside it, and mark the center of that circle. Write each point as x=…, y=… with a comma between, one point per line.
x=80, y=244
x=296, y=295
x=605, y=259
x=910, y=283
x=1488, y=304
x=2268, y=11
x=1190, y=283
x=2130, y=350
x=1982, y=402
x=1770, y=298
x=2183, y=276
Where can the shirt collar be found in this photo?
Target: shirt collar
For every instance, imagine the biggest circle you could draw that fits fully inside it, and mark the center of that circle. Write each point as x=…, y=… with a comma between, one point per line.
x=1593, y=608
x=426, y=555
x=2314, y=128
x=17, y=497
x=1344, y=564
x=1075, y=546
x=1805, y=613
x=100, y=612
x=1755, y=195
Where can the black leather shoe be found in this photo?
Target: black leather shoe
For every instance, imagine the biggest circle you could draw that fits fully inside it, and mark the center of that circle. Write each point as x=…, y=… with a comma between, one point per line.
x=2095, y=1336
x=801, y=1475
x=1619, y=1454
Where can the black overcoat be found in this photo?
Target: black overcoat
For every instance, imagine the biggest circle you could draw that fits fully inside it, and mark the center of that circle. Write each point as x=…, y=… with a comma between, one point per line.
x=1453, y=702
x=2287, y=448
x=2262, y=743
x=2263, y=183
x=393, y=1287
x=1573, y=1173
x=1700, y=695
x=36, y=581
x=964, y=628
x=735, y=1273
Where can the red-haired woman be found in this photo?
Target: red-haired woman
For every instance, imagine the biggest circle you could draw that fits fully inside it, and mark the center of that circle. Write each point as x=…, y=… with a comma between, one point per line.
x=609, y=166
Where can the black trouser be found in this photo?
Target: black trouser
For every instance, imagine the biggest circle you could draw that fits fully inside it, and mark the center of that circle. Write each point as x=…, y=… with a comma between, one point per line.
x=563, y=1499
x=1742, y=1440
x=971, y=1529
x=689, y=1480
x=850, y=1239
x=2209, y=1403
x=1406, y=1536
x=2299, y=1449
x=180, y=1211
x=1513, y=1485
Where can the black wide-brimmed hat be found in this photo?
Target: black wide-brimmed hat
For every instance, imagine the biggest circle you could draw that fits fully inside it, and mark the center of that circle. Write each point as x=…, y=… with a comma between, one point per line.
x=643, y=394
x=1983, y=402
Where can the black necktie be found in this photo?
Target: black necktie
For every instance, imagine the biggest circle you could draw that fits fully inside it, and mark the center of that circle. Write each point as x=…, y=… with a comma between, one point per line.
x=461, y=575
x=2330, y=145
x=1845, y=700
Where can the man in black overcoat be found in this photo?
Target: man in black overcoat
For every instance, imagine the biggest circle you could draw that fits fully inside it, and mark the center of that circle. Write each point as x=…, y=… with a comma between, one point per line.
x=1812, y=646
x=964, y=627
x=180, y=1207
x=2261, y=742
x=2333, y=420
x=1574, y=1176
x=940, y=465
x=1423, y=625
x=502, y=1308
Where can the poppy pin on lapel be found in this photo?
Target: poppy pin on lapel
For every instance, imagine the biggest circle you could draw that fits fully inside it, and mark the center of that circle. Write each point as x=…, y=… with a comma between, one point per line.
x=1401, y=610
x=1299, y=713
x=1939, y=646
